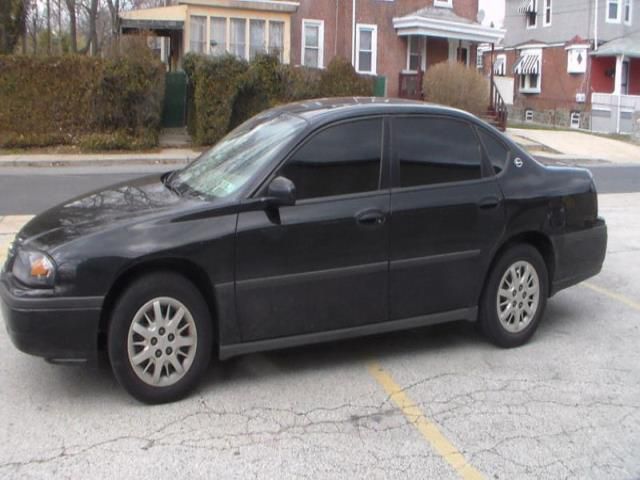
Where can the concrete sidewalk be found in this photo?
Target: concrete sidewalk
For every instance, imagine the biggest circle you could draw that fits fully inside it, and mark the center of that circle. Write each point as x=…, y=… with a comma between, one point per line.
x=169, y=156
x=576, y=147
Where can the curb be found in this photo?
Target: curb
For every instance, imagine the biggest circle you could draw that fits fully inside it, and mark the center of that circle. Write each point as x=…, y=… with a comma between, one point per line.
x=93, y=163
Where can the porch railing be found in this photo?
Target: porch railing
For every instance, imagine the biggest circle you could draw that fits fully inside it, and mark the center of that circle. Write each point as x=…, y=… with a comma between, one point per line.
x=498, y=107
x=410, y=85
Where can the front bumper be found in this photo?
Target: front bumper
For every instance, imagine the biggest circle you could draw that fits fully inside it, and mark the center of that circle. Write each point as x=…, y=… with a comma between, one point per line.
x=56, y=328
x=579, y=255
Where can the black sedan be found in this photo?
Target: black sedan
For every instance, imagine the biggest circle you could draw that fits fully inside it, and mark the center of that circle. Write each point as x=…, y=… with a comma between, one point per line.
x=312, y=222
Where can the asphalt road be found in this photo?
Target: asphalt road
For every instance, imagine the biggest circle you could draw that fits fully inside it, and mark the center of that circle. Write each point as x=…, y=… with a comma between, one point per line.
x=436, y=402
x=32, y=190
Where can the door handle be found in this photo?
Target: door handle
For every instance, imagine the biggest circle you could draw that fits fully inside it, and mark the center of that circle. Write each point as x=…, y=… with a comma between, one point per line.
x=370, y=217
x=489, y=202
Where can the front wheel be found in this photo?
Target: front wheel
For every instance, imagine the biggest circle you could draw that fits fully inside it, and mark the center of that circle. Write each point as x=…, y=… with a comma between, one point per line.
x=515, y=297
x=160, y=338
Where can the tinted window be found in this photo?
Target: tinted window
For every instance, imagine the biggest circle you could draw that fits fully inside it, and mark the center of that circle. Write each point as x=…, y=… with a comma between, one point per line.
x=339, y=160
x=496, y=150
x=435, y=150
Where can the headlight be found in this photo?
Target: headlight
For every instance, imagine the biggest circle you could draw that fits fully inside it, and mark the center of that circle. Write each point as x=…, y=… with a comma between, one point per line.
x=33, y=268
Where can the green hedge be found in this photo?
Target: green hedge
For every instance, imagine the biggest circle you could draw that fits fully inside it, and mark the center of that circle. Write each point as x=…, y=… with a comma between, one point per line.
x=58, y=100
x=226, y=91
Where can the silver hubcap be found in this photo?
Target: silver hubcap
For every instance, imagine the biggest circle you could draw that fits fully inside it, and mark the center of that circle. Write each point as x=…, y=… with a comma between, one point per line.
x=162, y=341
x=518, y=296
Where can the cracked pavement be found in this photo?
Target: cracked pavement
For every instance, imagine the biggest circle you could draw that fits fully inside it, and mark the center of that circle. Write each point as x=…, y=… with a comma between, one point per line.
x=567, y=405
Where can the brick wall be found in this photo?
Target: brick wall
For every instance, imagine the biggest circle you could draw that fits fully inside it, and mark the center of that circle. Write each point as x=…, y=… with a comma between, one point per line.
x=391, y=52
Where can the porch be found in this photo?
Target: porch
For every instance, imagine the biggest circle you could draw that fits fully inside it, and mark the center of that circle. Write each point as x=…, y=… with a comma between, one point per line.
x=432, y=35
x=615, y=98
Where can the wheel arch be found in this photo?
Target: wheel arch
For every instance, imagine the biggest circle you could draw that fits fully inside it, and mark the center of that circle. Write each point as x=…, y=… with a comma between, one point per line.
x=187, y=269
x=536, y=239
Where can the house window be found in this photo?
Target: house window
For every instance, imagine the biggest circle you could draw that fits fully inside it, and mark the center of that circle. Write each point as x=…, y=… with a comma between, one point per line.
x=613, y=11
x=443, y=3
x=547, y=13
x=415, y=61
x=256, y=38
x=366, y=47
x=198, y=33
x=627, y=12
x=529, y=68
x=218, y=42
x=532, y=16
x=530, y=83
x=238, y=40
x=577, y=59
x=528, y=115
x=276, y=39
x=575, y=120
x=312, y=43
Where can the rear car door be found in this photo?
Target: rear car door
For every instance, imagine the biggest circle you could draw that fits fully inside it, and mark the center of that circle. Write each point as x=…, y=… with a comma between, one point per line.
x=447, y=216
x=321, y=264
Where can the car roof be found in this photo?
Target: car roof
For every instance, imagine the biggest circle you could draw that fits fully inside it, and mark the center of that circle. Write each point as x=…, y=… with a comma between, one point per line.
x=324, y=109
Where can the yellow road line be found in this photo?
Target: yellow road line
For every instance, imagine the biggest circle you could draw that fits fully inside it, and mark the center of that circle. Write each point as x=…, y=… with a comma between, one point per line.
x=429, y=430
x=615, y=296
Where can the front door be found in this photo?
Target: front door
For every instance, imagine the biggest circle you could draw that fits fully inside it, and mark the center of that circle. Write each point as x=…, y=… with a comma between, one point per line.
x=447, y=215
x=321, y=264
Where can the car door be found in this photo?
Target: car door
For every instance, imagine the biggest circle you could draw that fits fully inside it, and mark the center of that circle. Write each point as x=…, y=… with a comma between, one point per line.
x=321, y=264
x=447, y=215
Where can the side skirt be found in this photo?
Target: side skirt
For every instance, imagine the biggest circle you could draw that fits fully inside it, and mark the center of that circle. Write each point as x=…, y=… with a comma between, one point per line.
x=228, y=351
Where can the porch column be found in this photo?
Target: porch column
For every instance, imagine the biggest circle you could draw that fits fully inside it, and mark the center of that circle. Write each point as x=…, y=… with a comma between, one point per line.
x=617, y=89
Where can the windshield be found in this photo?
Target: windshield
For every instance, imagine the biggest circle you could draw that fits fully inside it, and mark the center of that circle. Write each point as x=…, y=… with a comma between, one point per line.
x=230, y=164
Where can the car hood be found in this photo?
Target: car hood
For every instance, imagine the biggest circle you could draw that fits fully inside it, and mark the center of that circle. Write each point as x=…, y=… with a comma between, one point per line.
x=99, y=210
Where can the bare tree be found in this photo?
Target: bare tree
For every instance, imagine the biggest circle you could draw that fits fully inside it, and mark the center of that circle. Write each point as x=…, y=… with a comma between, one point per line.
x=71, y=7
x=13, y=15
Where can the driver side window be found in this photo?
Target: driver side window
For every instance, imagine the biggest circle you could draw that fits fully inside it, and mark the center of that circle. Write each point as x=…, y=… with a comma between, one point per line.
x=339, y=160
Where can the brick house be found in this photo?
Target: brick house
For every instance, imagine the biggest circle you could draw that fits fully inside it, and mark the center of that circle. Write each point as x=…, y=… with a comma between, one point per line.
x=394, y=39
x=572, y=63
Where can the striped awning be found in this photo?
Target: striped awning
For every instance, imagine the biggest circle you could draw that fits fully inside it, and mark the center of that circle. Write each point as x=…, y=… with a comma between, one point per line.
x=527, y=65
x=528, y=6
x=499, y=66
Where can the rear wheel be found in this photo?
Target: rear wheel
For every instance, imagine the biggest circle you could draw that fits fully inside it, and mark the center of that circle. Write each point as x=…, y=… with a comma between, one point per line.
x=160, y=338
x=515, y=297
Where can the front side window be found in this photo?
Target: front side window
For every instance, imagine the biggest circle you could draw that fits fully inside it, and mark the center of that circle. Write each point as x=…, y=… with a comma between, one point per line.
x=627, y=12
x=276, y=39
x=238, y=40
x=416, y=49
x=434, y=150
x=613, y=11
x=312, y=43
x=366, y=44
x=197, y=33
x=234, y=160
x=218, y=42
x=340, y=160
x=497, y=152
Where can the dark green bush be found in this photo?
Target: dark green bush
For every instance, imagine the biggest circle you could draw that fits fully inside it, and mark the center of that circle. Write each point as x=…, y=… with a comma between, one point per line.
x=228, y=91
x=52, y=100
x=217, y=81
x=118, y=140
x=341, y=80
x=34, y=140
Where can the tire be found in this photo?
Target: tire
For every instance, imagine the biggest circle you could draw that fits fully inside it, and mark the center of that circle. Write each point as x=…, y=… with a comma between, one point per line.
x=160, y=338
x=520, y=319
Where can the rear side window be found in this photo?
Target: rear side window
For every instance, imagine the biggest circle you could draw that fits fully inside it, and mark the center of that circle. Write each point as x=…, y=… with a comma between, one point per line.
x=432, y=150
x=340, y=160
x=497, y=152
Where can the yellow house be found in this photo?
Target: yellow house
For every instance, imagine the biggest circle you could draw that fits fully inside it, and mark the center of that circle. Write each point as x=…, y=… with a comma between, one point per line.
x=239, y=27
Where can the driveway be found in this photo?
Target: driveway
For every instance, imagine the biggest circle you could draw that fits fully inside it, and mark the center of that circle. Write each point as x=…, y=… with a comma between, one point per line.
x=436, y=402
x=558, y=144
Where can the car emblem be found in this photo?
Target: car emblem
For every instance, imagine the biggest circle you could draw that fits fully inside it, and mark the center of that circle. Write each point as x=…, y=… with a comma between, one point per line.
x=518, y=162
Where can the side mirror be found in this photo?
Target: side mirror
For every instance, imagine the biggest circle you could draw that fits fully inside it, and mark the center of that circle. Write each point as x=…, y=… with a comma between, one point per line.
x=281, y=192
